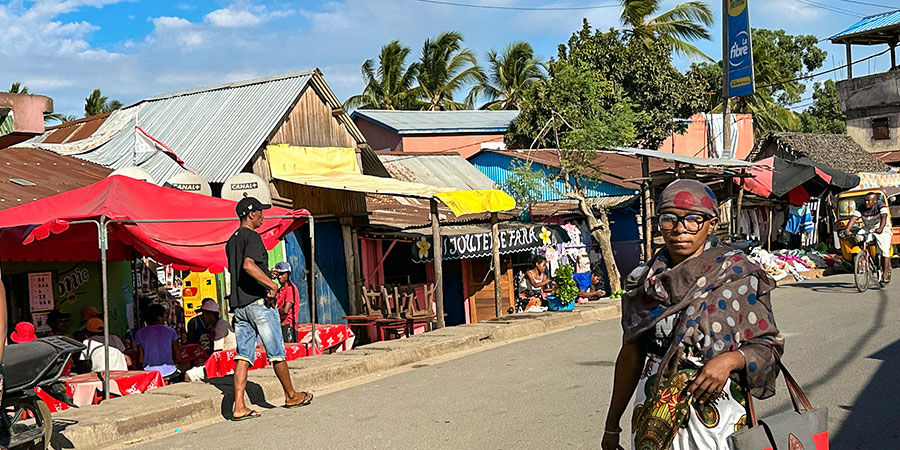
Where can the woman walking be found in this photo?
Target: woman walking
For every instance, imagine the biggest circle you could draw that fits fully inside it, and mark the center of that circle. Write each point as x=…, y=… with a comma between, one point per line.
x=698, y=330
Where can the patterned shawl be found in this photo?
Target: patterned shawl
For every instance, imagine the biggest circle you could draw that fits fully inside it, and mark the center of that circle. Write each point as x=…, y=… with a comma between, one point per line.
x=724, y=297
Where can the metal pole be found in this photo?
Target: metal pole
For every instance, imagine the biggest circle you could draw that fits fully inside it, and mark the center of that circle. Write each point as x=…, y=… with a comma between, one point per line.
x=769, y=238
x=646, y=187
x=438, y=264
x=849, y=62
x=313, y=299
x=104, y=244
x=726, y=106
x=495, y=253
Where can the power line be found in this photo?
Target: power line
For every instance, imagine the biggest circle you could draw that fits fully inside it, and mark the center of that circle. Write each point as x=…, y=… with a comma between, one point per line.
x=813, y=75
x=829, y=8
x=520, y=8
x=892, y=8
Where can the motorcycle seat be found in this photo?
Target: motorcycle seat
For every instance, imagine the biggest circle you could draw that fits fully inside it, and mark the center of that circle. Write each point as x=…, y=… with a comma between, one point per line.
x=27, y=365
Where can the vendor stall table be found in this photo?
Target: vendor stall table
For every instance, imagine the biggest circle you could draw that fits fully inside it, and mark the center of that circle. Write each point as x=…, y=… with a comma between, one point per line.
x=221, y=363
x=190, y=352
x=86, y=389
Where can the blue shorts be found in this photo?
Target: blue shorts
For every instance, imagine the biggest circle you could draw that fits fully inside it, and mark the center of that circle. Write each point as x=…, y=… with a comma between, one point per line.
x=257, y=319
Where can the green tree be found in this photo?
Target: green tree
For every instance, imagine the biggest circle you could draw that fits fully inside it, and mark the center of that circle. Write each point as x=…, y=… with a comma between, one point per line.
x=825, y=114
x=511, y=72
x=390, y=86
x=675, y=28
x=97, y=103
x=779, y=59
x=445, y=67
x=646, y=76
x=18, y=88
x=579, y=112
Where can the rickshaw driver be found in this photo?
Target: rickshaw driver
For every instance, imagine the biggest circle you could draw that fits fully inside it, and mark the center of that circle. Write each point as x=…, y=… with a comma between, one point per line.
x=874, y=217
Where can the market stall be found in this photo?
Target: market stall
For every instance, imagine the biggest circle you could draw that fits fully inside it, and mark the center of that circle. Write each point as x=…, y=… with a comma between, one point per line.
x=118, y=218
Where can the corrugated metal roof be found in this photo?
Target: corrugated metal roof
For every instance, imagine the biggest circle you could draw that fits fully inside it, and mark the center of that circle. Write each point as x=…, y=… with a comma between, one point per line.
x=33, y=174
x=439, y=122
x=439, y=170
x=691, y=160
x=215, y=130
x=872, y=29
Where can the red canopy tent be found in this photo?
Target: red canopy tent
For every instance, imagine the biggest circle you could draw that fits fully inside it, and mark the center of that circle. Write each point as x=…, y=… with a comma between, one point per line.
x=119, y=217
x=173, y=227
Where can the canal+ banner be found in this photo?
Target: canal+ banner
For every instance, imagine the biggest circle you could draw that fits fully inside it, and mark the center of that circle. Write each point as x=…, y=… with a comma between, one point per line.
x=741, y=79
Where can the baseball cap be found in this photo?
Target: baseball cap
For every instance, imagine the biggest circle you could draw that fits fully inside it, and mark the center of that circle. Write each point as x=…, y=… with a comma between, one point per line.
x=94, y=325
x=88, y=313
x=24, y=333
x=282, y=267
x=248, y=205
x=209, y=305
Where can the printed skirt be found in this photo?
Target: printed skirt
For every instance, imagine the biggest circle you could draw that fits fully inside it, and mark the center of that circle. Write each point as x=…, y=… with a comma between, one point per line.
x=706, y=428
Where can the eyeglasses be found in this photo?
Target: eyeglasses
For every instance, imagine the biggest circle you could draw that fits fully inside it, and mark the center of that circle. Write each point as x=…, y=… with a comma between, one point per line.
x=692, y=222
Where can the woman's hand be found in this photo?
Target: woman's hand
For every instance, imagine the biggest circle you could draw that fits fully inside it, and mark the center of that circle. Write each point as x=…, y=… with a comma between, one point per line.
x=610, y=442
x=709, y=382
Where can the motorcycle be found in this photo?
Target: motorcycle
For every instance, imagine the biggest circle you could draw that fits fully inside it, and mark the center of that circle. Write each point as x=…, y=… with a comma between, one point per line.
x=25, y=421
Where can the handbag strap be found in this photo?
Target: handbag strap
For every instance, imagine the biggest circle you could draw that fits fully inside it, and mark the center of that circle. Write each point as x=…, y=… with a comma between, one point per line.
x=798, y=397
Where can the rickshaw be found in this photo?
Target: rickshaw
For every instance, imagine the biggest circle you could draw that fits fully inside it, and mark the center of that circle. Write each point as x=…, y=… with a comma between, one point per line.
x=865, y=264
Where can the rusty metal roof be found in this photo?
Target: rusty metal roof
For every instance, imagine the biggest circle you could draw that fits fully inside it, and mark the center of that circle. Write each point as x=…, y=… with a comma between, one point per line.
x=444, y=169
x=33, y=174
x=215, y=129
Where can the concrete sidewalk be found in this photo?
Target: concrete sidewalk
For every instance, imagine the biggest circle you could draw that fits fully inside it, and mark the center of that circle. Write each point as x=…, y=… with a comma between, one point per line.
x=123, y=419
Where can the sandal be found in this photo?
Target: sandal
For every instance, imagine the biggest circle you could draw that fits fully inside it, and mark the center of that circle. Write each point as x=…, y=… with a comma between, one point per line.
x=307, y=399
x=250, y=415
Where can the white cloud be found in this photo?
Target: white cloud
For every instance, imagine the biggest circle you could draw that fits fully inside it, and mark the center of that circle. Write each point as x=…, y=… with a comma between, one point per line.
x=229, y=18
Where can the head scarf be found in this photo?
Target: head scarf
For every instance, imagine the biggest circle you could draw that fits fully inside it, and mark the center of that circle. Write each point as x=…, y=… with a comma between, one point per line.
x=690, y=195
x=724, y=300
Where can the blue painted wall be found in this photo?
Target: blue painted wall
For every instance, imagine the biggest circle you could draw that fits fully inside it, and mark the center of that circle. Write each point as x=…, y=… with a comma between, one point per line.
x=497, y=167
x=331, y=274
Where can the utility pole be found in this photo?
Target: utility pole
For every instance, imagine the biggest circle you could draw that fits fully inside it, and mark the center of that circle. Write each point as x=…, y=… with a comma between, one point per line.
x=726, y=106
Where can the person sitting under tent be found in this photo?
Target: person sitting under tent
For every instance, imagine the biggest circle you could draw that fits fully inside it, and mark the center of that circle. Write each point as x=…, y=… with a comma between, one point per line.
x=158, y=343
x=94, y=354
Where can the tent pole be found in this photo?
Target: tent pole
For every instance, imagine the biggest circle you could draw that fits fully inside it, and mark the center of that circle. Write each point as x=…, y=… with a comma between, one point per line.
x=438, y=264
x=313, y=299
x=102, y=232
x=495, y=251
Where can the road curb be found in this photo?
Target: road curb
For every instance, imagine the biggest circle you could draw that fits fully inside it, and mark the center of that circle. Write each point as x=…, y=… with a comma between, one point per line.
x=125, y=419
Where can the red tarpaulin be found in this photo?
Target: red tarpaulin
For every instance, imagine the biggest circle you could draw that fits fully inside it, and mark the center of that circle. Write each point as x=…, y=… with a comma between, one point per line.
x=41, y=230
x=778, y=178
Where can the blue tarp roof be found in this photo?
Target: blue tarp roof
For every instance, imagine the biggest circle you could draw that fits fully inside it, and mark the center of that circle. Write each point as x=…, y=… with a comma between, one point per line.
x=877, y=29
x=439, y=122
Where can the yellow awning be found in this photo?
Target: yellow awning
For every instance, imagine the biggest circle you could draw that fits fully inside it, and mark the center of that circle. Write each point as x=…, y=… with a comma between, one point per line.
x=336, y=168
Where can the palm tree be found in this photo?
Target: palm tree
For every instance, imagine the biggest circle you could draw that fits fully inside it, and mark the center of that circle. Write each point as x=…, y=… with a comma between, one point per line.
x=18, y=88
x=99, y=104
x=688, y=21
x=511, y=73
x=390, y=86
x=444, y=68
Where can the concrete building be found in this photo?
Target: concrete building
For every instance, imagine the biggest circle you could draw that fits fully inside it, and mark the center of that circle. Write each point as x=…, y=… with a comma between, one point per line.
x=872, y=102
x=22, y=117
x=462, y=132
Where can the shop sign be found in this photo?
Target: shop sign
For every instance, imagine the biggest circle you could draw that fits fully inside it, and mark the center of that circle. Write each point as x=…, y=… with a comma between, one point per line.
x=739, y=50
x=473, y=245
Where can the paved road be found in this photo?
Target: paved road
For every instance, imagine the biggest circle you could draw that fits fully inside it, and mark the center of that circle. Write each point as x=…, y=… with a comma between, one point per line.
x=552, y=391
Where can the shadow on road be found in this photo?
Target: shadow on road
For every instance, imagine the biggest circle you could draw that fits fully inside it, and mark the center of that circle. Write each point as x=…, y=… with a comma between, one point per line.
x=253, y=390
x=873, y=419
x=828, y=286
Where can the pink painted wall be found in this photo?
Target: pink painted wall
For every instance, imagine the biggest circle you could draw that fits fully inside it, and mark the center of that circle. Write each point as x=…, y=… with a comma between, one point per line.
x=464, y=144
x=694, y=142
x=28, y=116
x=378, y=137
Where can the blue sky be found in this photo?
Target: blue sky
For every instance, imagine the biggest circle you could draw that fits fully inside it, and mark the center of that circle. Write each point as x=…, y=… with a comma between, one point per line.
x=136, y=49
